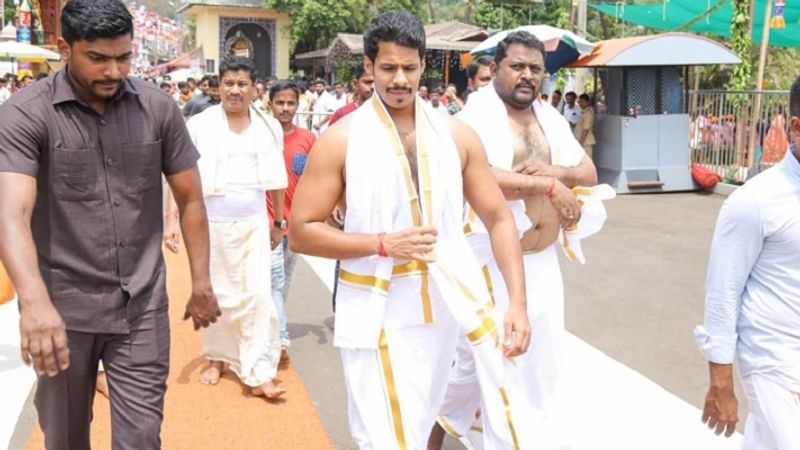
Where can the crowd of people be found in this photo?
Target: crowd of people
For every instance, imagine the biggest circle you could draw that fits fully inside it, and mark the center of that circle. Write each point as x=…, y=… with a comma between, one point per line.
x=710, y=134
x=445, y=213
x=11, y=84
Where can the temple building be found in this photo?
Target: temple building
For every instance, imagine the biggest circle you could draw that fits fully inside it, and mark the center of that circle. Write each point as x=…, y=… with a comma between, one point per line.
x=241, y=27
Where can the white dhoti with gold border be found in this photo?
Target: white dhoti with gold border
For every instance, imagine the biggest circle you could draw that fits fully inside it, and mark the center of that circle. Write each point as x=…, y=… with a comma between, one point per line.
x=397, y=322
x=245, y=336
x=537, y=380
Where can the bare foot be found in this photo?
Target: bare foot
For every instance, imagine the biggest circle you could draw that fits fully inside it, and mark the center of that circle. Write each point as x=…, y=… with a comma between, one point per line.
x=284, y=356
x=102, y=384
x=268, y=390
x=211, y=373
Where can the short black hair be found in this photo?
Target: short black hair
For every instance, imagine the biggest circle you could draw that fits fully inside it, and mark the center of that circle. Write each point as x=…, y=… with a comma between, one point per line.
x=319, y=81
x=27, y=77
x=557, y=91
x=237, y=63
x=213, y=81
x=584, y=97
x=284, y=85
x=794, y=99
x=182, y=84
x=338, y=83
x=475, y=64
x=165, y=84
x=358, y=71
x=93, y=19
x=571, y=93
x=206, y=77
x=400, y=27
x=518, y=37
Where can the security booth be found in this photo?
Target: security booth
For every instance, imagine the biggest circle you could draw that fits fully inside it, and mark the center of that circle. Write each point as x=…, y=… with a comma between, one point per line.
x=642, y=120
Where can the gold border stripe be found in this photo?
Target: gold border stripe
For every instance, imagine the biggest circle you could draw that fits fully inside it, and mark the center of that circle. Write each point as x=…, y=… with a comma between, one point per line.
x=400, y=155
x=476, y=428
x=411, y=266
x=488, y=278
x=508, y=418
x=577, y=190
x=365, y=280
x=418, y=266
x=448, y=428
x=486, y=327
x=425, y=178
x=394, y=400
x=427, y=309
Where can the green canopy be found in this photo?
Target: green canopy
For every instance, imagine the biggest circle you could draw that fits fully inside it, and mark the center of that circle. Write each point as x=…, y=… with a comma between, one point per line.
x=673, y=14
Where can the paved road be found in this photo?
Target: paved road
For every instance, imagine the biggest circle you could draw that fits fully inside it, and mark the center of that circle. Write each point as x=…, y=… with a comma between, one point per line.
x=630, y=311
x=635, y=302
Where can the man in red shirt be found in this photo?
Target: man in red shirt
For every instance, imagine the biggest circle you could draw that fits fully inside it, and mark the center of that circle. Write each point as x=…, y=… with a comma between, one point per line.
x=363, y=87
x=284, y=98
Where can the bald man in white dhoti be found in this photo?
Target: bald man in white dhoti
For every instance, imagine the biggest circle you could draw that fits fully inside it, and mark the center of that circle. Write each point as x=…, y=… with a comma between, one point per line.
x=409, y=281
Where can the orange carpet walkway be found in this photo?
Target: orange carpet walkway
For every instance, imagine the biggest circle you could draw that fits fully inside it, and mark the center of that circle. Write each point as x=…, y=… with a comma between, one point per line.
x=225, y=416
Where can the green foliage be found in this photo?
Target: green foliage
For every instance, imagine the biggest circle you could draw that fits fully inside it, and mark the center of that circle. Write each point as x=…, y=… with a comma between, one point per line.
x=416, y=7
x=189, y=33
x=741, y=44
x=10, y=11
x=344, y=73
x=499, y=17
x=315, y=23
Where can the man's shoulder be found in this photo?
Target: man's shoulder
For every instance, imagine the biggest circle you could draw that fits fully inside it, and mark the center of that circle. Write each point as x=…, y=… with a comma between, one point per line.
x=150, y=92
x=33, y=95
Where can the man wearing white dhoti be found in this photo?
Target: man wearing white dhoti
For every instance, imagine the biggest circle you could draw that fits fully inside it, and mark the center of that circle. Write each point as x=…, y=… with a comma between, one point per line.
x=408, y=279
x=753, y=305
x=241, y=158
x=536, y=161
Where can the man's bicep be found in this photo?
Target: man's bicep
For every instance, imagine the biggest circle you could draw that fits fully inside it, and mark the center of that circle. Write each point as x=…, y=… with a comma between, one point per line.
x=185, y=184
x=21, y=140
x=585, y=172
x=17, y=193
x=322, y=183
x=480, y=185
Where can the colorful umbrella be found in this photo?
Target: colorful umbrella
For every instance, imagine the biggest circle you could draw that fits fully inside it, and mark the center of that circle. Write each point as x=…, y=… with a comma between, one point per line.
x=562, y=46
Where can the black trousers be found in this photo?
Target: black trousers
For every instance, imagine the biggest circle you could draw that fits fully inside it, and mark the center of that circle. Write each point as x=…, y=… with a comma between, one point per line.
x=136, y=366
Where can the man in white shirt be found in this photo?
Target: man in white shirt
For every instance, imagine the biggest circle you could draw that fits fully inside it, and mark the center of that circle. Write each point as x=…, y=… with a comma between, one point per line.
x=753, y=305
x=320, y=107
x=332, y=104
x=5, y=93
x=572, y=111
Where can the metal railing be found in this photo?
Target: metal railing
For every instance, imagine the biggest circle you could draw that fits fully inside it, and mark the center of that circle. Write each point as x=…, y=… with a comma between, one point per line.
x=307, y=119
x=738, y=133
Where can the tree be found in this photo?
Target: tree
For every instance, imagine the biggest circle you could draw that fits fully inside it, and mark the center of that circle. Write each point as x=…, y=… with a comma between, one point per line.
x=315, y=23
x=741, y=44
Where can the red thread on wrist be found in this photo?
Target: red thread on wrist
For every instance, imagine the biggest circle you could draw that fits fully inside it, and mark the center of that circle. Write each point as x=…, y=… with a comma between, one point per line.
x=381, y=248
x=552, y=187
